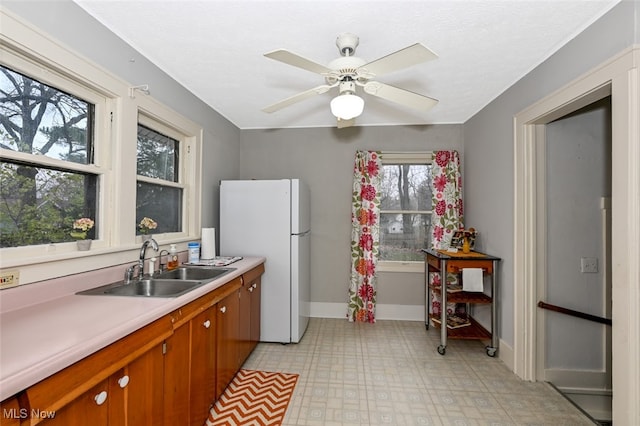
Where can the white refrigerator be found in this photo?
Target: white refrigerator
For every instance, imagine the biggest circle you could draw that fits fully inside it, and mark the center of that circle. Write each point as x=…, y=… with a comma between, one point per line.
x=271, y=218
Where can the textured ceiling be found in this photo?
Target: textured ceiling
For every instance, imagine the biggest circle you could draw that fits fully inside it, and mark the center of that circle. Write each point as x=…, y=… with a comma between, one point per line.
x=215, y=49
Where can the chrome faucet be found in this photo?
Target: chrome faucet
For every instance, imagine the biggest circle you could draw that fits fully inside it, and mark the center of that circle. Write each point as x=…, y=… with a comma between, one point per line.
x=143, y=249
x=162, y=266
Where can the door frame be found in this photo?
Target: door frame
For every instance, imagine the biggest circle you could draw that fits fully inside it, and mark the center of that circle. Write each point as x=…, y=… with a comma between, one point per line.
x=618, y=77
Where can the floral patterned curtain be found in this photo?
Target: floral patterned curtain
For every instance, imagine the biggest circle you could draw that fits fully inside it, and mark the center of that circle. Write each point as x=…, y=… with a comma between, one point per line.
x=365, y=236
x=446, y=216
x=447, y=211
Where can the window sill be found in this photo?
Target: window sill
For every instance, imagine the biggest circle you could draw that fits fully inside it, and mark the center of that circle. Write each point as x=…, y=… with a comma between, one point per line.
x=411, y=267
x=64, y=259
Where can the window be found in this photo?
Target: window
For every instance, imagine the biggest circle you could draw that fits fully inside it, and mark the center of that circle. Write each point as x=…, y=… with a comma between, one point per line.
x=405, y=208
x=47, y=140
x=159, y=192
x=68, y=150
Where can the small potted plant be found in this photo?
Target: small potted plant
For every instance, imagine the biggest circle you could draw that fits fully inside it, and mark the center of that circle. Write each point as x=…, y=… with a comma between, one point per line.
x=147, y=225
x=80, y=229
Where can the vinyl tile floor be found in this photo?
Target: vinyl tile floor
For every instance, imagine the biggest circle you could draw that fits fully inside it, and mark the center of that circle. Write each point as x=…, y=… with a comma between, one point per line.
x=390, y=373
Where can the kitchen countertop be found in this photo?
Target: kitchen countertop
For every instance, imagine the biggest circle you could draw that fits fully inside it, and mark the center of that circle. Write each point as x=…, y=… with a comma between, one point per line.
x=41, y=339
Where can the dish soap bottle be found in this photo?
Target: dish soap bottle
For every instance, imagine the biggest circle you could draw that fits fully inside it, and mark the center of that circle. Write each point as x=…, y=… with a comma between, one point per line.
x=172, y=263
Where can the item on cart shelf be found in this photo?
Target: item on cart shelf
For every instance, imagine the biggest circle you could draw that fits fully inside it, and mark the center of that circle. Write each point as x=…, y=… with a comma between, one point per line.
x=453, y=321
x=454, y=288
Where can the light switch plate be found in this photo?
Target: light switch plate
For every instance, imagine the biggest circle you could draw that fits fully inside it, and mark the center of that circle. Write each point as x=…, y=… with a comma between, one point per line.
x=589, y=265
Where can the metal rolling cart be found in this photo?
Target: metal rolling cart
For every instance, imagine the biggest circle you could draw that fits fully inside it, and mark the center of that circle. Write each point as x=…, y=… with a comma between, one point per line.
x=443, y=262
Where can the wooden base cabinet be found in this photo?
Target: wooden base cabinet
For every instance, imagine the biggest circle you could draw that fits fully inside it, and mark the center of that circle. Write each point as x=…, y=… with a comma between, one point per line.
x=169, y=372
x=250, y=297
x=121, y=384
x=131, y=396
x=228, y=340
x=176, y=376
x=190, y=370
x=202, y=389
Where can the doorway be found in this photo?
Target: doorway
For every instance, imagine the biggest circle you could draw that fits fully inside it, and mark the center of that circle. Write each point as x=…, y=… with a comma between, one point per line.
x=618, y=78
x=574, y=353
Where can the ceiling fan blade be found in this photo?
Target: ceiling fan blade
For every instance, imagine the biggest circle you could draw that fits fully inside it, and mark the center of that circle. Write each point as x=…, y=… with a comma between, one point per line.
x=403, y=58
x=296, y=60
x=298, y=97
x=345, y=123
x=400, y=96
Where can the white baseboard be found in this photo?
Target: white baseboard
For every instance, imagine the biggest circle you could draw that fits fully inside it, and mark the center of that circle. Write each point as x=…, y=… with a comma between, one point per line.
x=400, y=312
x=596, y=402
x=383, y=311
x=505, y=353
x=577, y=379
x=328, y=310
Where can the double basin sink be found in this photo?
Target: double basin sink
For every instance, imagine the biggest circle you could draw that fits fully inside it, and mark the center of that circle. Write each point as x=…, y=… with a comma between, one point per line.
x=166, y=284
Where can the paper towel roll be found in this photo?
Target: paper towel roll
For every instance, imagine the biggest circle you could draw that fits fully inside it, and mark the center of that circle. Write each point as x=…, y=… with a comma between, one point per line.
x=208, y=246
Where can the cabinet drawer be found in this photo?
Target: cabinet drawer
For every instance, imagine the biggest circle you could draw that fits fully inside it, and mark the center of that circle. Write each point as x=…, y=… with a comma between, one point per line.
x=433, y=262
x=456, y=266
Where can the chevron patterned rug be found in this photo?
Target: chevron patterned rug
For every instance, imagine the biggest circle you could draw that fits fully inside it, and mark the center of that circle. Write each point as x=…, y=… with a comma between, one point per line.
x=254, y=398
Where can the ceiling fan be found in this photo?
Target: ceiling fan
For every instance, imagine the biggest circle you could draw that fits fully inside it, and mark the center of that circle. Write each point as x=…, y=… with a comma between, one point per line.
x=349, y=72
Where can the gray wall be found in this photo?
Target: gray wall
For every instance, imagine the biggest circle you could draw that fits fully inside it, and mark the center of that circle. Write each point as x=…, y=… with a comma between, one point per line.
x=488, y=139
x=323, y=157
x=578, y=176
x=66, y=22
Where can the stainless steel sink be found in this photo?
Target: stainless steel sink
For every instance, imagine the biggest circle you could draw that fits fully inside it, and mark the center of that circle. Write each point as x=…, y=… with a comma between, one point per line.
x=153, y=287
x=167, y=284
x=198, y=273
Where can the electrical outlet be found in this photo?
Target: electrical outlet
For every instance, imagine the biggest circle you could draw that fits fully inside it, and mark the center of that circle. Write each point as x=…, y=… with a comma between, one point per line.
x=9, y=278
x=589, y=265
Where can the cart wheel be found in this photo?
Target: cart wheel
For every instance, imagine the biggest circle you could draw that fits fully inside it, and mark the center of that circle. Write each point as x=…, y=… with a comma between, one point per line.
x=491, y=351
x=442, y=350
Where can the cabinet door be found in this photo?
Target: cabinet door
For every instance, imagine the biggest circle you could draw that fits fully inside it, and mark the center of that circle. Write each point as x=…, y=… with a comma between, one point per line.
x=176, y=377
x=10, y=412
x=255, y=312
x=136, y=391
x=203, y=365
x=90, y=408
x=227, y=337
x=244, y=322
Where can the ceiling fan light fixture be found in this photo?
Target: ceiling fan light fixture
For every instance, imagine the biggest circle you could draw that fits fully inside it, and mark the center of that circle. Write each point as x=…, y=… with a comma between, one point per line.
x=347, y=106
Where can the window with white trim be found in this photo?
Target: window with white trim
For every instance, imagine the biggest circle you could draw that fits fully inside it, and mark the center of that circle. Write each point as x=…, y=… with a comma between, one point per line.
x=159, y=189
x=405, y=210
x=49, y=175
x=78, y=158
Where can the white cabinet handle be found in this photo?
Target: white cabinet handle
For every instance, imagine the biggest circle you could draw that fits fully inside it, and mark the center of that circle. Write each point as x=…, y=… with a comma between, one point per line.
x=223, y=309
x=251, y=289
x=254, y=285
x=101, y=397
x=207, y=324
x=123, y=381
